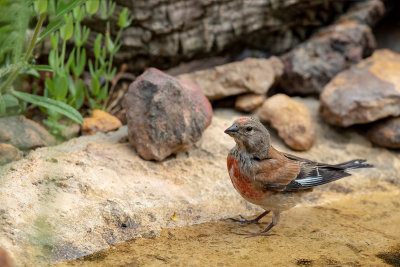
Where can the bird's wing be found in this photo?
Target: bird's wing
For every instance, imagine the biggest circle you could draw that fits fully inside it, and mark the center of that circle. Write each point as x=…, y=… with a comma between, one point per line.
x=285, y=172
x=276, y=171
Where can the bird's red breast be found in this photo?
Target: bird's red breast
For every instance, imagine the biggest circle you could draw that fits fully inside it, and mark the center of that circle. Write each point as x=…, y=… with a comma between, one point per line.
x=243, y=184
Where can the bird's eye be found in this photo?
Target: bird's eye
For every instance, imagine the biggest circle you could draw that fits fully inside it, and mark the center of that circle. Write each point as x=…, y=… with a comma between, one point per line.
x=249, y=128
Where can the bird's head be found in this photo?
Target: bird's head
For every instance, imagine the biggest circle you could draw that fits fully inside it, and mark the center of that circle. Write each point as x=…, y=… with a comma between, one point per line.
x=250, y=136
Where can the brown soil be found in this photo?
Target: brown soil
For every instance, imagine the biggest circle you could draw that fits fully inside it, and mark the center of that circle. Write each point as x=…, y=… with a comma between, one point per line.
x=362, y=230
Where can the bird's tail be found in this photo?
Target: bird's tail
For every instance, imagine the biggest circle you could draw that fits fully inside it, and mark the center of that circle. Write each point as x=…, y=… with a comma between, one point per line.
x=354, y=164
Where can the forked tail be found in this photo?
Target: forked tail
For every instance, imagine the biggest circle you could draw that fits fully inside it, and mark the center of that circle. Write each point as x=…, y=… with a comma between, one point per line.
x=354, y=164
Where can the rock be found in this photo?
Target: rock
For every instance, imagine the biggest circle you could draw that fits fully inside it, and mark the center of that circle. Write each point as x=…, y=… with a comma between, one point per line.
x=312, y=64
x=100, y=121
x=5, y=260
x=164, y=115
x=385, y=133
x=71, y=131
x=367, y=92
x=23, y=133
x=93, y=191
x=8, y=153
x=291, y=119
x=165, y=33
x=252, y=75
x=249, y=102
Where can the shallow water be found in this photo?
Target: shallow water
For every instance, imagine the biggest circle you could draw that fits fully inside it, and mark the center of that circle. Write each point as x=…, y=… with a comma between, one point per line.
x=358, y=230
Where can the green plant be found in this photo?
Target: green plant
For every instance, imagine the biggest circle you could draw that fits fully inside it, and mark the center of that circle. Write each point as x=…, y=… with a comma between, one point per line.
x=67, y=84
x=15, y=57
x=65, y=91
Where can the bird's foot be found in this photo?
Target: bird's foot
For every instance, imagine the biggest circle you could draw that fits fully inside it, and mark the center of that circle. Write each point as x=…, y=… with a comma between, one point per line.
x=243, y=220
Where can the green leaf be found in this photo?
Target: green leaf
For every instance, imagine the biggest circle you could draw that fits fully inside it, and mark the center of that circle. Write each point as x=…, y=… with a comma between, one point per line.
x=97, y=46
x=67, y=29
x=124, y=19
x=78, y=34
x=71, y=86
x=10, y=100
x=49, y=85
x=109, y=43
x=103, y=93
x=106, y=11
x=54, y=40
x=41, y=67
x=82, y=62
x=95, y=86
x=53, y=60
x=79, y=13
x=51, y=104
x=30, y=71
x=92, y=6
x=86, y=32
x=2, y=106
x=60, y=86
x=80, y=94
x=65, y=7
x=42, y=6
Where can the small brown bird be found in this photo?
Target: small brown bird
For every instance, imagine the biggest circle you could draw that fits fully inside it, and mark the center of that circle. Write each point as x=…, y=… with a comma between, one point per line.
x=272, y=179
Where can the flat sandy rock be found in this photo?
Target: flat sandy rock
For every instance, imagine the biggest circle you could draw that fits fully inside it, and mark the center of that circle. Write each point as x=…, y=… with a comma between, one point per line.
x=292, y=120
x=367, y=92
x=252, y=75
x=86, y=194
x=385, y=133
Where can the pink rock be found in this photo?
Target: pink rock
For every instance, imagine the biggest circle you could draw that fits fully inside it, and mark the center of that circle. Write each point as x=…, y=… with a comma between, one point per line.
x=165, y=115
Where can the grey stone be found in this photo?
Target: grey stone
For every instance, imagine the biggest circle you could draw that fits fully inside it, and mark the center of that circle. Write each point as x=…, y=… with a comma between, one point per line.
x=23, y=133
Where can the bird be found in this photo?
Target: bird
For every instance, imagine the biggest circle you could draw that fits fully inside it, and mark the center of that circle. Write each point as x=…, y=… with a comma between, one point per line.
x=271, y=179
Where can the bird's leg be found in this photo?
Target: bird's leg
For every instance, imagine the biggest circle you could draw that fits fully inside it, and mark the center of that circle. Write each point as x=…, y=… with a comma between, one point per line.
x=274, y=222
x=244, y=220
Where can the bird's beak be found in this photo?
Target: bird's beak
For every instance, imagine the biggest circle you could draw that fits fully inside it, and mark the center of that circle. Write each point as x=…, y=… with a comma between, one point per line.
x=232, y=130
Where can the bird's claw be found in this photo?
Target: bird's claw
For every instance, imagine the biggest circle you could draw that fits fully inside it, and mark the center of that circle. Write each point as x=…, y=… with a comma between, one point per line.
x=242, y=220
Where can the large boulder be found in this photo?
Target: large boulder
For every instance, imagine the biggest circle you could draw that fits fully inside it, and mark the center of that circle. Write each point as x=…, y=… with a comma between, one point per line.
x=252, y=75
x=291, y=119
x=385, y=133
x=164, y=114
x=311, y=65
x=367, y=92
x=24, y=133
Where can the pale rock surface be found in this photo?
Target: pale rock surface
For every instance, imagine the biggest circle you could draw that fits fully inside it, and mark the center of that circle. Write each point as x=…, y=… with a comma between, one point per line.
x=366, y=92
x=252, y=75
x=81, y=196
x=291, y=119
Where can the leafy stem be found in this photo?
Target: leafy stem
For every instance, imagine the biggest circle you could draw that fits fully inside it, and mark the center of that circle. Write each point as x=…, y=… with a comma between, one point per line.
x=32, y=43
